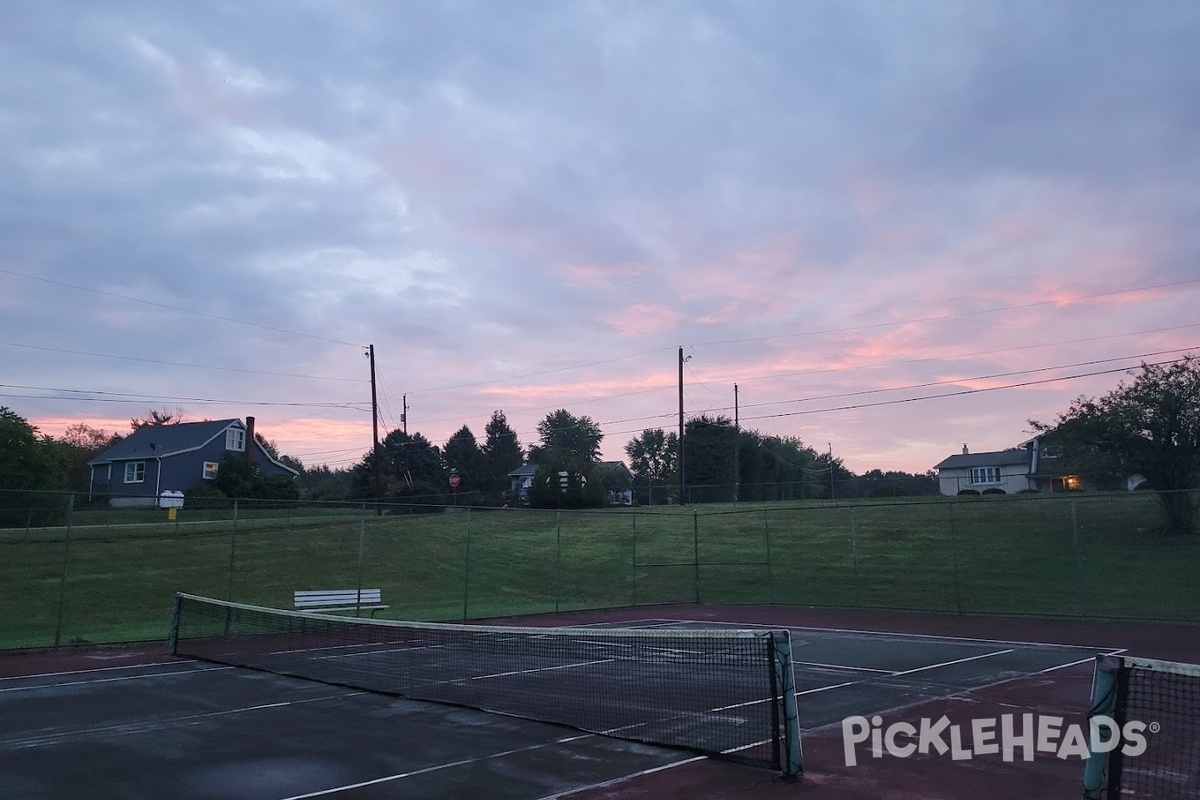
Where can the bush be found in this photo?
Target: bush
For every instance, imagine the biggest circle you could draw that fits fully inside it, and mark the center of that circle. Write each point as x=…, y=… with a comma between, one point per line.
x=994, y=490
x=962, y=492
x=204, y=491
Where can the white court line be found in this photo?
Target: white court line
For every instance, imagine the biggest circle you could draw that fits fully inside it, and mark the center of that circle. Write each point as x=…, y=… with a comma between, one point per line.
x=341, y=647
x=367, y=652
x=843, y=667
x=435, y=768
x=1080, y=661
x=110, y=680
x=887, y=634
x=961, y=693
x=538, y=669
x=97, y=669
x=826, y=688
x=135, y=728
x=623, y=778
x=889, y=674
x=955, y=661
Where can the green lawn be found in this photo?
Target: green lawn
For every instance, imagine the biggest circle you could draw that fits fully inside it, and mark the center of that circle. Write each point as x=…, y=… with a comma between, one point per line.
x=112, y=579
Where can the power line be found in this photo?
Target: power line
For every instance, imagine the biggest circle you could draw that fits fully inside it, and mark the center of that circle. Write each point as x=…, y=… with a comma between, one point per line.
x=176, y=308
x=975, y=378
x=903, y=362
x=124, y=397
x=181, y=364
x=960, y=315
x=955, y=394
x=538, y=374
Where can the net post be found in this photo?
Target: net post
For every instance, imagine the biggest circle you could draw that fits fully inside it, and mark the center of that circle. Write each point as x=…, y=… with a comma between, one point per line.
x=1104, y=695
x=793, y=758
x=173, y=638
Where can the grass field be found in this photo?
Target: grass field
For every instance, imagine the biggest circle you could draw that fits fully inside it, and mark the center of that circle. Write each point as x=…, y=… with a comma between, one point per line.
x=1068, y=555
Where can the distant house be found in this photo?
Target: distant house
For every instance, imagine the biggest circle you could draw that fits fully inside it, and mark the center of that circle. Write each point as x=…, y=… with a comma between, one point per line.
x=136, y=470
x=617, y=479
x=1009, y=470
x=519, y=481
x=1032, y=465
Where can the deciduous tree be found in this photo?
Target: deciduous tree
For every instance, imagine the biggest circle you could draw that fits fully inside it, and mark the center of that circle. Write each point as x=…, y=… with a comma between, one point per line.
x=1149, y=427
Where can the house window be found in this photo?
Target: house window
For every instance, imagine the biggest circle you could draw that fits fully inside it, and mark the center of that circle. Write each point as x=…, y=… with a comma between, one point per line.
x=985, y=474
x=210, y=470
x=235, y=439
x=135, y=472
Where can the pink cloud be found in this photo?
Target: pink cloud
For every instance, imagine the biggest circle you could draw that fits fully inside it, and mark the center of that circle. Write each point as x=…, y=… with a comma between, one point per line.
x=869, y=190
x=429, y=164
x=599, y=276
x=641, y=319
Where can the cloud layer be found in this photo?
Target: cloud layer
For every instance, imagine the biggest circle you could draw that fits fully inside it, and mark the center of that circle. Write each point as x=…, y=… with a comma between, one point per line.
x=526, y=206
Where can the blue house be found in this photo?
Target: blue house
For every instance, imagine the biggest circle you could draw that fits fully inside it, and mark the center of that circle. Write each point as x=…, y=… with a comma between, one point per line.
x=154, y=459
x=616, y=476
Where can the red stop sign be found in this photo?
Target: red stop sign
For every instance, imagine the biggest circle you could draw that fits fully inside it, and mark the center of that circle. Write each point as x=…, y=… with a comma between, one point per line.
x=454, y=480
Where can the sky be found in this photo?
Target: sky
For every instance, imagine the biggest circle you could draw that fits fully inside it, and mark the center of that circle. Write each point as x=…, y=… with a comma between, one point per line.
x=897, y=228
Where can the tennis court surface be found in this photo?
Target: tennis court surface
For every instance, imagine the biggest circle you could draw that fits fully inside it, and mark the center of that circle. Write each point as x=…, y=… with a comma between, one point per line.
x=135, y=722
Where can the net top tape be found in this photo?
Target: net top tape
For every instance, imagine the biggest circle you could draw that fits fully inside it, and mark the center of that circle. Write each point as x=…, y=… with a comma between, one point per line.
x=1155, y=665
x=576, y=630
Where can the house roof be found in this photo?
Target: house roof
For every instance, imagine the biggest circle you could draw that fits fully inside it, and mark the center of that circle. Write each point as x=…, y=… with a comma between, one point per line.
x=1002, y=458
x=531, y=469
x=160, y=441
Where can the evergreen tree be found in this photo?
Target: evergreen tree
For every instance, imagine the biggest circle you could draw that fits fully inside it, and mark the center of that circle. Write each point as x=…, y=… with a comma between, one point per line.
x=502, y=452
x=462, y=454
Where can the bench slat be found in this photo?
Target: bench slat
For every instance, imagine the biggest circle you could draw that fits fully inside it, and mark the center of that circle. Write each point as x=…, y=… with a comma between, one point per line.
x=330, y=597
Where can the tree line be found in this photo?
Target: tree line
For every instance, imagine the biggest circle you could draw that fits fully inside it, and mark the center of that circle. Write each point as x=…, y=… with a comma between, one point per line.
x=1149, y=427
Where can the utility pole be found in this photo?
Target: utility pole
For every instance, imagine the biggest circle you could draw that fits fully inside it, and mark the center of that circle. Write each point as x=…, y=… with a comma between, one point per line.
x=832, y=496
x=682, y=480
x=375, y=429
x=737, y=441
x=404, y=413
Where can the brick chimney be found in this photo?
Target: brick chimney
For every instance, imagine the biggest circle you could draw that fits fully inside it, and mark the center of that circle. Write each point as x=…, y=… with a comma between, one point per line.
x=249, y=436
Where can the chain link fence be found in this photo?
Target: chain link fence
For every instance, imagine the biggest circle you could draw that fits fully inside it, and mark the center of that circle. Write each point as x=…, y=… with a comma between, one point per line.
x=75, y=572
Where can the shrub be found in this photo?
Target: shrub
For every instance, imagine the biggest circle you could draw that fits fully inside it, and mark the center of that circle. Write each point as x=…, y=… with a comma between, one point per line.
x=962, y=492
x=994, y=490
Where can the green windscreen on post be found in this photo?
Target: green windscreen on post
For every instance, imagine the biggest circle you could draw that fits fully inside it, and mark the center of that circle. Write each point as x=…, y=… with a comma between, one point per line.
x=715, y=692
x=1151, y=748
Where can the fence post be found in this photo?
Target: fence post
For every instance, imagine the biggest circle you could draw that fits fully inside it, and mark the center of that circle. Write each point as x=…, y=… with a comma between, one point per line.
x=633, y=562
x=854, y=553
x=954, y=557
x=696, y=550
x=557, y=559
x=1080, y=591
x=362, y=547
x=770, y=571
x=232, y=550
x=62, y=578
x=466, y=570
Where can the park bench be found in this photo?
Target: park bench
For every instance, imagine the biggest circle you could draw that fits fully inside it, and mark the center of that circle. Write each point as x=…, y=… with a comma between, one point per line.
x=334, y=600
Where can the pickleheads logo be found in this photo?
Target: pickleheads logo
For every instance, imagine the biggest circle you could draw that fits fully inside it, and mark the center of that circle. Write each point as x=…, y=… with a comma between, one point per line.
x=1045, y=734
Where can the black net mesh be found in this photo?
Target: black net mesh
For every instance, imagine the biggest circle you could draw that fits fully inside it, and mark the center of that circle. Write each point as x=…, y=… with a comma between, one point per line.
x=705, y=691
x=1166, y=698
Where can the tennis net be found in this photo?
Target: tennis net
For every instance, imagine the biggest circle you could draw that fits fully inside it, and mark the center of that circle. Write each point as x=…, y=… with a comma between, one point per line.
x=1159, y=703
x=722, y=693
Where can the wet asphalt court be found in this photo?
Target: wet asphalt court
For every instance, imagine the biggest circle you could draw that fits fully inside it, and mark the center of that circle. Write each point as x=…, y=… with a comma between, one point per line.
x=188, y=730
